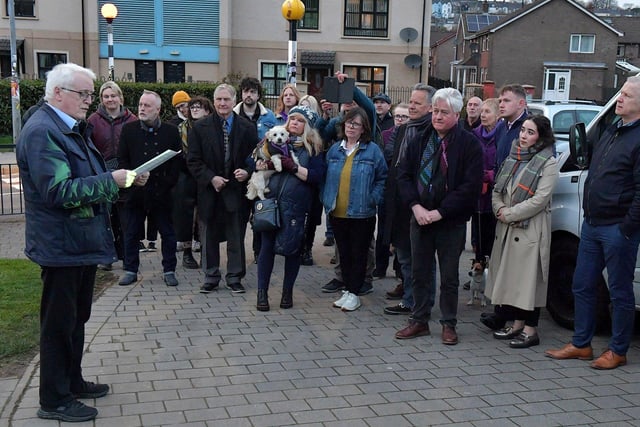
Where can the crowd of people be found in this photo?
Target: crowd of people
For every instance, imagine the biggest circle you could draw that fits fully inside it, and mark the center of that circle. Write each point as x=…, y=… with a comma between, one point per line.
x=399, y=181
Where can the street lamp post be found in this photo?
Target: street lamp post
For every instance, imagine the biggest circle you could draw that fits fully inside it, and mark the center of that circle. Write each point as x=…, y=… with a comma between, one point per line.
x=109, y=12
x=292, y=11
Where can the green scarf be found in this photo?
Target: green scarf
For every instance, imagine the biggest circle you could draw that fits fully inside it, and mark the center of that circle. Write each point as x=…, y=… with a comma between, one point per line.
x=526, y=186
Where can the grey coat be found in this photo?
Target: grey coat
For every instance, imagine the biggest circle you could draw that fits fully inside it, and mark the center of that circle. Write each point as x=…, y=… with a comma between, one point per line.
x=519, y=264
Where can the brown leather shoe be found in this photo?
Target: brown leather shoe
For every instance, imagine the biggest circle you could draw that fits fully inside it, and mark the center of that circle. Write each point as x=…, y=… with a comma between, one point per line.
x=449, y=335
x=413, y=330
x=570, y=351
x=609, y=360
x=396, y=293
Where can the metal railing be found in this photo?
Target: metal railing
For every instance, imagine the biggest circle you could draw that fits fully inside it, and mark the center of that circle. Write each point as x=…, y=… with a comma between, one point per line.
x=11, y=197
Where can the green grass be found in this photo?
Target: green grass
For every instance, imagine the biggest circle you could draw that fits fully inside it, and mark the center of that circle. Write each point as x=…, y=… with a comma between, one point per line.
x=6, y=140
x=20, y=290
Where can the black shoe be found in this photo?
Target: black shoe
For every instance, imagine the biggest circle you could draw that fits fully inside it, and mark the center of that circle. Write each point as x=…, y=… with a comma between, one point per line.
x=507, y=333
x=333, y=286
x=466, y=287
x=263, y=300
x=333, y=260
x=151, y=247
x=90, y=390
x=329, y=241
x=170, y=279
x=72, y=412
x=366, y=288
x=307, y=259
x=287, y=298
x=188, y=261
x=378, y=273
x=141, y=246
x=524, y=341
x=397, y=309
x=208, y=287
x=493, y=322
x=236, y=288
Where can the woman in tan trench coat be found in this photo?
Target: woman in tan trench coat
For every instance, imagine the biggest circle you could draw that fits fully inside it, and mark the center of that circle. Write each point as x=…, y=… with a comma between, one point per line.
x=519, y=264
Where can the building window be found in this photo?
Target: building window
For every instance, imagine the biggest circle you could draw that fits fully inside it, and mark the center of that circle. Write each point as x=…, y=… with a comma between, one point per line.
x=22, y=8
x=311, y=13
x=273, y=77
x=366, y=18
x=620, y=52
x=582, y=43
x=375, y=77
x=48, y=60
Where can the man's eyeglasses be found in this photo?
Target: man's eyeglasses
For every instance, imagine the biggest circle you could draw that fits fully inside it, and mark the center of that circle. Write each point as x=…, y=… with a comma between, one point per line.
x=353, y=125
x=195, y=107
x=83, y=94
x=401, y=117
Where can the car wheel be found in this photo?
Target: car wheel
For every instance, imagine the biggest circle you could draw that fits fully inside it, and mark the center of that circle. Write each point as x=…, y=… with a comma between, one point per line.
x=564, y=251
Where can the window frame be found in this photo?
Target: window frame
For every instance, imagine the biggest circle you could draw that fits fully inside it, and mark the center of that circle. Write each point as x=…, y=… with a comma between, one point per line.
x=311, y=10
x=278, y=82
x=38, y=68
x=18, y=6
x=582, y=46
x=376, y=16
x=376, y=85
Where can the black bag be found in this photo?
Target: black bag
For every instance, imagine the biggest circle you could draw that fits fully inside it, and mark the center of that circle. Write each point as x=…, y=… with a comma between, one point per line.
x=266, y=215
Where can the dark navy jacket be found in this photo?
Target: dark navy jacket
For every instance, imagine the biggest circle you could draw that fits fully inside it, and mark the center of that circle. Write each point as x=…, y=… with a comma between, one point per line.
x=464, y=176
x=612, y=188
x=67, y=191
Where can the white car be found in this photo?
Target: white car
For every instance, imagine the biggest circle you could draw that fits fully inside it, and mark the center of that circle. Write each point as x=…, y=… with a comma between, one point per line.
x=564, y=114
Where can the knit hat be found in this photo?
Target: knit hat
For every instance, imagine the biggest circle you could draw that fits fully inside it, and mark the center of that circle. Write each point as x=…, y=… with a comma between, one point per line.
x=382, y=97
x=309, y=115
x=179, y=97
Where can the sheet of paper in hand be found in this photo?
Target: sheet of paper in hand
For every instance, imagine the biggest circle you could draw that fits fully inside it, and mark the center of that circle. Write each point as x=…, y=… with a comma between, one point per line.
x=156, y=161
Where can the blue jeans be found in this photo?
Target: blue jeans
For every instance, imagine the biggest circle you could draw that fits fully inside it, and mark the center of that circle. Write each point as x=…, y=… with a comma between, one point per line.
x=447, y=242
x=605, y=246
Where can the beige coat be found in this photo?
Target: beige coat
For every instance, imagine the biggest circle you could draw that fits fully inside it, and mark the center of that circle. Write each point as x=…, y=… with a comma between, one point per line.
x=519, y=264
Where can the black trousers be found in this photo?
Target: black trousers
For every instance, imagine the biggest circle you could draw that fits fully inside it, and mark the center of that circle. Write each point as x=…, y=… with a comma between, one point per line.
x=65, y=308
x=353, y=238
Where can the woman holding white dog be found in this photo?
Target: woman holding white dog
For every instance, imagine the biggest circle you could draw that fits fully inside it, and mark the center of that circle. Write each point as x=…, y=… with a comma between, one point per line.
x=356, y=174
x=294, y=188
x=519, y=265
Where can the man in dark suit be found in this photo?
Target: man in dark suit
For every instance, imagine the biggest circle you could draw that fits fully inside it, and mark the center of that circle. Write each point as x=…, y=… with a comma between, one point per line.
x=140, y=141
x=219, y=158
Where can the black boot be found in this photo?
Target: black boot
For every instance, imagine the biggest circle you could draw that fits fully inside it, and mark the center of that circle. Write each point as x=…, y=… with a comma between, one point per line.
x=188, y=261
x=263, y=300
x=307, y=259
x=287, y=298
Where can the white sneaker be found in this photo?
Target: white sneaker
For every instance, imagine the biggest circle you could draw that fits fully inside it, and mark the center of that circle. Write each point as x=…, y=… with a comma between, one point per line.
x=352, y=303
x=342, y=300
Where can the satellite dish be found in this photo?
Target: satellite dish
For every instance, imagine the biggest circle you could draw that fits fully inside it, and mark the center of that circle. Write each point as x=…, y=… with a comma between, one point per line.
x=413, y=61
x=408, y=34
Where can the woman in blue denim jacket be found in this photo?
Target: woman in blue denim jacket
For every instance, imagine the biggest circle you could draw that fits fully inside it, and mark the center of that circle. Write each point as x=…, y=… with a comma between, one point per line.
x=356, y=173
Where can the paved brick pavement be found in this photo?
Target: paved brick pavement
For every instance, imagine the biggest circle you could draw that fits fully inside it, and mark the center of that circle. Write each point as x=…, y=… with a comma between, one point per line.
x=175, y=357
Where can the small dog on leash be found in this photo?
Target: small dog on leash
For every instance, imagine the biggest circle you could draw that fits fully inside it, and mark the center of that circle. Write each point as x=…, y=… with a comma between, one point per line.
x=478, y=274
x=272, y=147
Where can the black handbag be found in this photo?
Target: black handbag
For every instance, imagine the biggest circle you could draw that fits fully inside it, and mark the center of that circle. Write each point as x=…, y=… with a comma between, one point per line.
x=266, y=213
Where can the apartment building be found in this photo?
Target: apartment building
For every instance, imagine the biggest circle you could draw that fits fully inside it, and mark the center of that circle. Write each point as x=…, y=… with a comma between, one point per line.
x=382, y=43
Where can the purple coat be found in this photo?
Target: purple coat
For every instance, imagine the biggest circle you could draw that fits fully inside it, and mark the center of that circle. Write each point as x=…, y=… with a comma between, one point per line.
x=488, y=142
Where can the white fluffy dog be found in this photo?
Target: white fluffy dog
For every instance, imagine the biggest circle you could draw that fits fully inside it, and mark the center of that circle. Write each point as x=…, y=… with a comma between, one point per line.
x=272, y=147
